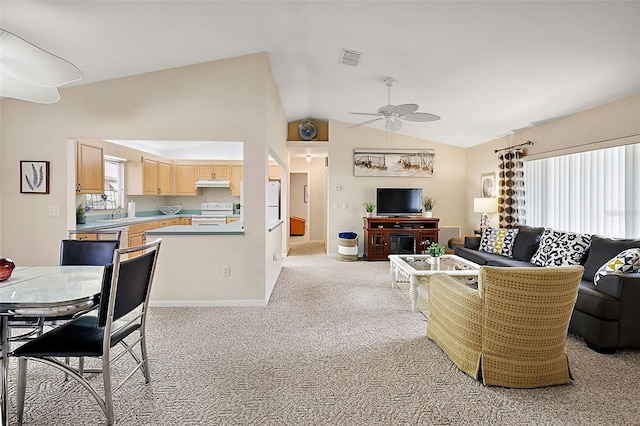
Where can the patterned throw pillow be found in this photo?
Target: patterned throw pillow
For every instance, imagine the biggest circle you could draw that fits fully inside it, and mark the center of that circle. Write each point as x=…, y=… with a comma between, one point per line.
x=559, y=248
x=626, y=262
x=498, y=241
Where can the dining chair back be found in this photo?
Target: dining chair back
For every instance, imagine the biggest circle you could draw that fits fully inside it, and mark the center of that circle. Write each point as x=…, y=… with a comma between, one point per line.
x=72, y=252
x=87, y=252
x=123, y=310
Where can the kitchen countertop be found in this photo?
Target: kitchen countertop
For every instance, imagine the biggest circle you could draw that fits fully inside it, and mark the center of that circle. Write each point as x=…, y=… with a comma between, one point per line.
x=233, y=228
x=103, y=224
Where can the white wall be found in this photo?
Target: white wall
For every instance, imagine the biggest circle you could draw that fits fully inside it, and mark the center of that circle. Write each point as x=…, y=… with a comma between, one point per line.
x=612, y=124
x=447, y=185
x=210, y=101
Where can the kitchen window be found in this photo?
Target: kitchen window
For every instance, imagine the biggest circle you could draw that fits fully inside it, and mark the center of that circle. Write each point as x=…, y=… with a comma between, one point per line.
x=113, y=187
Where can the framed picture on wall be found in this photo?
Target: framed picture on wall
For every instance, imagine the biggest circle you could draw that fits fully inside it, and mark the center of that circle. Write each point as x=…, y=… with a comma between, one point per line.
x=393, y=162
x=34, y=177
x=488, y=185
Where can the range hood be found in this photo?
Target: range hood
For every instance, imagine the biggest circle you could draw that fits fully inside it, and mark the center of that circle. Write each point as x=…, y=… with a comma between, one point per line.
x=212, y=183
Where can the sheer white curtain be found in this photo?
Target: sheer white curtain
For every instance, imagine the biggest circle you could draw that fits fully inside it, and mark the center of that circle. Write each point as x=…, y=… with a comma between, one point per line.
x=595, y=192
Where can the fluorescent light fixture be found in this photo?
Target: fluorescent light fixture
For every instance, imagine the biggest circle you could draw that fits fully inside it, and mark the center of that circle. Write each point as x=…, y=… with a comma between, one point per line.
x=31, y=74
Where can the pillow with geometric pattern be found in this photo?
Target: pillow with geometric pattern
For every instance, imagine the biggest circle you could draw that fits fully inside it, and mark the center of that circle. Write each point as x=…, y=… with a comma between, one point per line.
x=626, y=262
x=498, y=241
x=558, y=248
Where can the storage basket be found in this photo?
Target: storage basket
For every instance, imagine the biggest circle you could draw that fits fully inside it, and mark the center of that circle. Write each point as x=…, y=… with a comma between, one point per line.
x=348, y=249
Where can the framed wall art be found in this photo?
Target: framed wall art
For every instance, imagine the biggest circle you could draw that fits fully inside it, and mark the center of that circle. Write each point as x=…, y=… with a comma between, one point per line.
x=393, y=162
x=34, y=177
x=488, y=185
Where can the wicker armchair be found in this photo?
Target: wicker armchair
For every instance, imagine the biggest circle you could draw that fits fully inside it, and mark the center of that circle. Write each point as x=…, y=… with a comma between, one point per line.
x=511, y=331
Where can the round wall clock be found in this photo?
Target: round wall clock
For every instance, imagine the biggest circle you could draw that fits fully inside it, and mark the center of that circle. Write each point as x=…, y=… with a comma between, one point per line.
x=307, y=130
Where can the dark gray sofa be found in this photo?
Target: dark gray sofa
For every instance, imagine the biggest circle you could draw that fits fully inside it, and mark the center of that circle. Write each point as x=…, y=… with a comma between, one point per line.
x=607, y=316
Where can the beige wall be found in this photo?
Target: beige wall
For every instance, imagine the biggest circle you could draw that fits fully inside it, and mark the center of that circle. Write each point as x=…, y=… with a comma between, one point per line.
x=210, y=101
x=613, y=124
x=447, y=185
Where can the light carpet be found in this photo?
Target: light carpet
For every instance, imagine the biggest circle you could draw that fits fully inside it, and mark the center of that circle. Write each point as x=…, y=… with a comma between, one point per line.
x=335, y=346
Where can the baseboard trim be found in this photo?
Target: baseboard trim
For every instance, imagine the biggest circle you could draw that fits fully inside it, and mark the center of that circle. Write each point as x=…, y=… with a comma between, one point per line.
x=205, y=303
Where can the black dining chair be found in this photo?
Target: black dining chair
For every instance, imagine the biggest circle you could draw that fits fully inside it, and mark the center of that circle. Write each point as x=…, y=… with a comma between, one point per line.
x=124, y=298
x=72, y=252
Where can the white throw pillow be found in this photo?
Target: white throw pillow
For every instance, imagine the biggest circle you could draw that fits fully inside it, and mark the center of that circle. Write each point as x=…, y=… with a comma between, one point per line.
x=626, y=262
x=559, y=248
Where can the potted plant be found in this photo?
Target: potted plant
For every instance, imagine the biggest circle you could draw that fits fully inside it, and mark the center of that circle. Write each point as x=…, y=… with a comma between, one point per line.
x=427, y=204
x=435, y=251
x=369, y=206
x=81, y=214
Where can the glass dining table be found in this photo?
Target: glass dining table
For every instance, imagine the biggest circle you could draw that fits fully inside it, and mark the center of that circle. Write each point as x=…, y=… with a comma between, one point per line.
x=41, y=291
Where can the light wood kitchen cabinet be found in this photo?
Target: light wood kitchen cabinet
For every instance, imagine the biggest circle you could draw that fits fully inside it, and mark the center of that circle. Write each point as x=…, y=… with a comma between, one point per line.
x=185, y=175
x=164, y=178
x=86, y=236
x=89, y=169
x=213, y=171
x=136, y=234
x=185, y=221
x=156, y=177
x=236, y=179
x=168, y=222
x=232, y=219
x=274, y=173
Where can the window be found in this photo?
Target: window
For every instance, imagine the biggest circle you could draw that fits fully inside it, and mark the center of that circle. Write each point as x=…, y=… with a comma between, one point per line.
x=113, y=187
x=595, y=192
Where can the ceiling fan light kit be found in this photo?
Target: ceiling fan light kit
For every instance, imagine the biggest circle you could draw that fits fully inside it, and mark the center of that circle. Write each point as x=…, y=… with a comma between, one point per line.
x=395, y=114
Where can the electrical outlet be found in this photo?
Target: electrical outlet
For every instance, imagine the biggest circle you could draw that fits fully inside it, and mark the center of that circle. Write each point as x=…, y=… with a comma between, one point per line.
x=54, y=211
x=226, y=271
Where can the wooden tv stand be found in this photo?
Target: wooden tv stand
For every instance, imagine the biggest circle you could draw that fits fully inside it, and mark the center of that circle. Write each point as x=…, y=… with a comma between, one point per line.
x=395, y=235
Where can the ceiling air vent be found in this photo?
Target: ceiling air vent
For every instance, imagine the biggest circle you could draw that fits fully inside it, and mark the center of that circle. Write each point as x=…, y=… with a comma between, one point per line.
x=350, y=57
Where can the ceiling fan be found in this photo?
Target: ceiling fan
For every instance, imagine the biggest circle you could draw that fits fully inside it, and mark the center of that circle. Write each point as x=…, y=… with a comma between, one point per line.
x=394, y=114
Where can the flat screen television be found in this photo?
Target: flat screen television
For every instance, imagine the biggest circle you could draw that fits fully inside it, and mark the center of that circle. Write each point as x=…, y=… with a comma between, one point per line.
x=399, y=202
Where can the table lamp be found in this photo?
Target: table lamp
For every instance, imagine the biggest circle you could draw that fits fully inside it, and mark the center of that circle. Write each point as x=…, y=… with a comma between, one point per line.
x=484, y=206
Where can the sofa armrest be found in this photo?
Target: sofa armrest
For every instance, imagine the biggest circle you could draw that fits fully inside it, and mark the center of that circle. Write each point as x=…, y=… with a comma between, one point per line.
x=455, y=321
x=472, y=243
x=613, y=284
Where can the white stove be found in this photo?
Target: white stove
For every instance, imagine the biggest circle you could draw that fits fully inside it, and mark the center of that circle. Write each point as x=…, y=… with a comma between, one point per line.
x=213, y=214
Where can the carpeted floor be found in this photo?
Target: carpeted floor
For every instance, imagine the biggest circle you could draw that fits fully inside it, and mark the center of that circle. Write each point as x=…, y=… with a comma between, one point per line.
x=335, y=346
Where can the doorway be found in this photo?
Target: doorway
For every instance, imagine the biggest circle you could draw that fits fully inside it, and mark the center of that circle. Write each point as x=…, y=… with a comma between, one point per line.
x=299, y=207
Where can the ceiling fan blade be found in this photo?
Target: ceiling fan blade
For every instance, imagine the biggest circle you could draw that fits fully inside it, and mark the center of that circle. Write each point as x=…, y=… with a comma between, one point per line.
x=404, y=109
x=393, y=124
x=421, y=116
x=364, y=113
x=367, y=122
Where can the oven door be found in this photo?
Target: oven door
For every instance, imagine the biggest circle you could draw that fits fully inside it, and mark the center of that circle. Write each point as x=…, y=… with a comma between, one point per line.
x=208, y=220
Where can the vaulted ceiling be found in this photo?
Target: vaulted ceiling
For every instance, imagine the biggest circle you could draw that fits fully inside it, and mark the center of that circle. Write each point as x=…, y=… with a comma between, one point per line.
x=487, y=68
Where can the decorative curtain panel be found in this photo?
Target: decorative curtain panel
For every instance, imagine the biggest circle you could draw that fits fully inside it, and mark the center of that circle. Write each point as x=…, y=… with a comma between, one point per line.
x=511, y=204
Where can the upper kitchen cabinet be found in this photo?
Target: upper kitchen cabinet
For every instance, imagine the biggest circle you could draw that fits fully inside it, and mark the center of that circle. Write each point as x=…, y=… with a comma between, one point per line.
x=148, y=177
x=185, y=175
x=236, y=179
x=214, y=171
x=89, y=169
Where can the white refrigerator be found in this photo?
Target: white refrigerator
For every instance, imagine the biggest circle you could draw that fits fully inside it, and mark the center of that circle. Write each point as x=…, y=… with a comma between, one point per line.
x=273, y=199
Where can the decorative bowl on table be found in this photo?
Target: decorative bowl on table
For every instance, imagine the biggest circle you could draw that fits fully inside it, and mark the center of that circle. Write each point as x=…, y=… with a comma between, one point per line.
x=170, y=209
x=6, y=268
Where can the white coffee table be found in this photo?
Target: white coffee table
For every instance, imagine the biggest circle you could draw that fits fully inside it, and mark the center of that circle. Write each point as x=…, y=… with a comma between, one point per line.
x=418, y=268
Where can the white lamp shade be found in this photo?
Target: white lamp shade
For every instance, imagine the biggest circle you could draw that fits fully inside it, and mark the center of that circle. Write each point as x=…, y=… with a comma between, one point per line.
x=485, y=205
